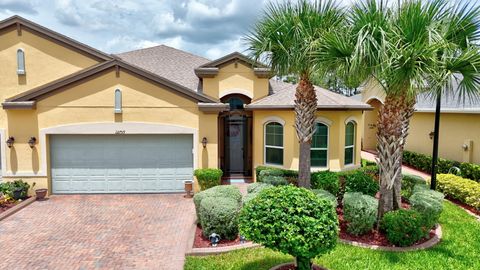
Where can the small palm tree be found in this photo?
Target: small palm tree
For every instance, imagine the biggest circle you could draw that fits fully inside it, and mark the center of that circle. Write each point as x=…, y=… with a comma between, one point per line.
x=412, y=48
x=287, y=32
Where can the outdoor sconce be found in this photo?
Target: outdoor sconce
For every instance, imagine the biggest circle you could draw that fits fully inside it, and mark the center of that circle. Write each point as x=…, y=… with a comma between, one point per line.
x=32, y=142
x=10, y=141
x=204, y=142
x=214, y=239
x=465, y=147
x=431, y=135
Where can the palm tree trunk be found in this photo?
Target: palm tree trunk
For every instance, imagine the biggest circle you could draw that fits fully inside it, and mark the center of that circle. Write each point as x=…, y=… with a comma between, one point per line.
x=305, y=108
x=393, y=122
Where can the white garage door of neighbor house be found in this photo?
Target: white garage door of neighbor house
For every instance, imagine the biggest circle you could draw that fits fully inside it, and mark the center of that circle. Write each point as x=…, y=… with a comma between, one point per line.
x=120, y=163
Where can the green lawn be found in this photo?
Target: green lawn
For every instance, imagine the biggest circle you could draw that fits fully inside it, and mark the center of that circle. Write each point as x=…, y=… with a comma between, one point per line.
x=459, y=249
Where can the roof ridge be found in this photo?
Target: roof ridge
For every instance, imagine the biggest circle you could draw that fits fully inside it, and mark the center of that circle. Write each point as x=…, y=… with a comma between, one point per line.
x=166, y=46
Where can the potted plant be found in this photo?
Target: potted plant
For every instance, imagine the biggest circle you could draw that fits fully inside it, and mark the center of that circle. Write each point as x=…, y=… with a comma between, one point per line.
x=41, y=193
x=188, y=188
x=20, y=189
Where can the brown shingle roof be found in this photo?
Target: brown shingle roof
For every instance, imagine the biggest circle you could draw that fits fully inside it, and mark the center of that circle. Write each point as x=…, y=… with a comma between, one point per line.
x=283, y=96
x=173, y=64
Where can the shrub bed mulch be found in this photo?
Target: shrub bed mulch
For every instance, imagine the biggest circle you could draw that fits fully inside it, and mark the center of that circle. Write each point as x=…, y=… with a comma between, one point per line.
x=464, y=206
x=374, y=237
x=202, y=242
x=4, y=206
x=291, y=266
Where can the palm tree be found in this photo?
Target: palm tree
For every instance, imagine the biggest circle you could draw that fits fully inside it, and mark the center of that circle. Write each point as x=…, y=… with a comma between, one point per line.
x=286, y=33
x=412, y=48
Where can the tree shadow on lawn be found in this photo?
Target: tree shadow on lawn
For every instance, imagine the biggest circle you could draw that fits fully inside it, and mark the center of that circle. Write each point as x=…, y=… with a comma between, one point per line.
x=265, y=263
x=439, y=250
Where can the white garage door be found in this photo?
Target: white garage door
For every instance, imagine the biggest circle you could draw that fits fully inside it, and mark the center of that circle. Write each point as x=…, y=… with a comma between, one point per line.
x=120, y=163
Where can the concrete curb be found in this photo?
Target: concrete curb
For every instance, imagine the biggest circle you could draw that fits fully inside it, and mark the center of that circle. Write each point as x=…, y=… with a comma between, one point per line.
x=430, y=243
x=17, y=207
x=471, y=213
x=219, y=250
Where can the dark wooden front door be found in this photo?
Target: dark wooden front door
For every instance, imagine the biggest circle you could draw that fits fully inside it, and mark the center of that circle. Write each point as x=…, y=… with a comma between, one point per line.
x=235, y=132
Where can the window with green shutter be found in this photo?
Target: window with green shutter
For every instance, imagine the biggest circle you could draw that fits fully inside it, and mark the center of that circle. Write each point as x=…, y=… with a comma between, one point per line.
x=319, y=150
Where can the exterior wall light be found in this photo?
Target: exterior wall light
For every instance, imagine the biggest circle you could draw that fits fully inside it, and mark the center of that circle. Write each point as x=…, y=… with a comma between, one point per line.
x=32, y=142
x=242, y=239
x=431, y=135
x=214, y=239
x=204, y=142
x=10, y=141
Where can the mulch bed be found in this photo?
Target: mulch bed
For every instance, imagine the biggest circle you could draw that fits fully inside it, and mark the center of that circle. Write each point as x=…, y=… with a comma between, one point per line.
x=202, y=242
x=292, y=267
x=4, y=206
x=374, y=237
x=465, y=206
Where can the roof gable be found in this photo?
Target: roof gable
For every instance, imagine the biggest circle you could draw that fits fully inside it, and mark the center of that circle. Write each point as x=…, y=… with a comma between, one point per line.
x=210, y=69
x=29, y=98
x=20, y=24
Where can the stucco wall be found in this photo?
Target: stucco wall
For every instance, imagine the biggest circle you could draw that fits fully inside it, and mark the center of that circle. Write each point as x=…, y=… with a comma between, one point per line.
x=93, y=102
x=455, y=130
x=369, y=139
x=236, y=78
x=291, y=147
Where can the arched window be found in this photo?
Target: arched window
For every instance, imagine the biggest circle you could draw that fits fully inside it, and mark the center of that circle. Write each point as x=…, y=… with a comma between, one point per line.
x=350, y=143
x=20, y=62
x=319, y=150
x=274, y=143
x=235, y=103
x=118, y=101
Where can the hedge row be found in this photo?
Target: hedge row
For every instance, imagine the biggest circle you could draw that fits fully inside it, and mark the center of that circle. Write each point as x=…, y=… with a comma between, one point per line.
x=424, y=163
x=456, y=187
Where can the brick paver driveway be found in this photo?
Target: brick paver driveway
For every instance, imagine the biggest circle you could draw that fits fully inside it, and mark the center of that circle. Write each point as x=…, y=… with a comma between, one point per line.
x=98, y=232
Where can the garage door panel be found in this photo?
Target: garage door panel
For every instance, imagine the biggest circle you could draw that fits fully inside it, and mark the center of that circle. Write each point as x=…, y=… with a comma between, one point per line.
x=120, y=164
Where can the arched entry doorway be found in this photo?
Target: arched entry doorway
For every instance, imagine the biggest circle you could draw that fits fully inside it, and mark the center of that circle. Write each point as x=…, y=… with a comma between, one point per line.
x=369, y=142
x=235, y=137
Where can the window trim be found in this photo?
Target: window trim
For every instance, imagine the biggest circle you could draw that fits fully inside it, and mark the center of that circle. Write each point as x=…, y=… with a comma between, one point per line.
x=118, y=101
x=327, y=124
x=273, y=146
x=21, y=61
x=350, y=146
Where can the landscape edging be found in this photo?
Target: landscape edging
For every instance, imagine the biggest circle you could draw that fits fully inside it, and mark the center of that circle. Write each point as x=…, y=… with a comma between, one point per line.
x=428, y=244
x=17, y=208
x=219, y=250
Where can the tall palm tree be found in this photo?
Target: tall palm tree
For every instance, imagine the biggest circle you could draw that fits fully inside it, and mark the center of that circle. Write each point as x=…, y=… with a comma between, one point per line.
x=410, y=48
x=286, y=33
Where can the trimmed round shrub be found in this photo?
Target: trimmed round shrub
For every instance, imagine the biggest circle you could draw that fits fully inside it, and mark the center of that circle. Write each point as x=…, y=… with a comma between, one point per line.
x=224, y=191
x=257, y=187
x=208, y=178
x=275, y=180
x=326, y=180
x=325, y=195
x=429, y=204
x=360, y=211
x=409, y=182
x=269, y=172
x=291, y=220
x=403, y=227
x=360, y=181
x=220, y=216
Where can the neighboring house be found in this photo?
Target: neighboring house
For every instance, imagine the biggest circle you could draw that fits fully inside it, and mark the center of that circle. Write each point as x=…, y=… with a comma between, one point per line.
x=77, y=120
x=459, y=137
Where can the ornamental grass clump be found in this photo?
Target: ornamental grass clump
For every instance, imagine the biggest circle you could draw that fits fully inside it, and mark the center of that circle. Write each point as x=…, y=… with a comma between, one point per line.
x=291, y=220
x=219, y=215
x=360, y=211
x=208, y=178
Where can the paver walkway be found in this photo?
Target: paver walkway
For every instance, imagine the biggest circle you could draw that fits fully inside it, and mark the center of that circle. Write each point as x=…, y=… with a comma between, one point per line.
x=149, y=231
x=405, y=169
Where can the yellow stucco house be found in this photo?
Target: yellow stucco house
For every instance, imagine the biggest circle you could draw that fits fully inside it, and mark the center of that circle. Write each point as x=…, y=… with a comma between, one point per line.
x=459, y=137
x=77, y=120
